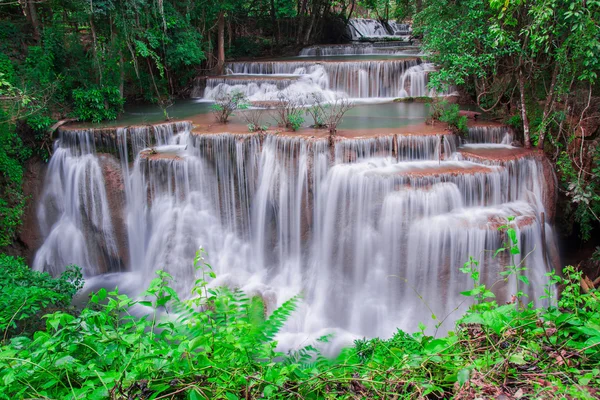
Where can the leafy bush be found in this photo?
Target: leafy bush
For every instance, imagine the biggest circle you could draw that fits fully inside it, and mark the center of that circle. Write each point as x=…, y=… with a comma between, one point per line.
x=226, y=103
x=316, y=112
x=288, y=111
x=583, y=193
x=295, y=120
x=13, y=154
x=253, y=118
x=450, y=114
x=456, y=122
x=97, y=104
x=247, y=47
x=25, y=295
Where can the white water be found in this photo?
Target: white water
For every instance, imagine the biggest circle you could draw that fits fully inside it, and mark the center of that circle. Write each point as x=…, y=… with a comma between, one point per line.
x=372, y=28
x=490, y=134
x=357, y=49
x=74, y=213
x=371, y=79
x=359, y=230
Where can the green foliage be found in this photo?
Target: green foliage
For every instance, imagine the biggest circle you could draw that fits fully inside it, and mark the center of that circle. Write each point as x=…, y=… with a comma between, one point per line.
x=247, y=47
x=226, y=103
x=450, y=114
x=97, y=105
x=215, y=346
x=220, y=344
x=295, y=120
x=583, y=193
x=12, y=201
x=421, y=99
x=26, y=295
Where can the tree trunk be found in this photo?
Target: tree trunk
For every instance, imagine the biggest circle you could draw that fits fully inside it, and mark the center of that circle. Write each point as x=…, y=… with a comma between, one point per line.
x=419, y=5
x=547, y=108
x=221, y=43
x=315, y=10
x=526, y=134
x=301, y=21
x=351, y=11
x=95, y=49
x=35, y=22
x=274, y=23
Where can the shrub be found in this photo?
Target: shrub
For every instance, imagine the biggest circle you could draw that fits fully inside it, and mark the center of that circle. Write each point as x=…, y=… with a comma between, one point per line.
x=288, y=113
x=335, y=111
x=216, y=345
x=316, y=112
x=25, y=295
x=97, y=104
x=226, y=103
x=253, y=117
x=328, y=115
x=450, y=114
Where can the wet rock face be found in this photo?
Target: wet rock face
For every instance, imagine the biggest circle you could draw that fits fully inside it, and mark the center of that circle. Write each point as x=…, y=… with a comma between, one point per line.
x=115, y=191
x=551, y=193
x=33, y=183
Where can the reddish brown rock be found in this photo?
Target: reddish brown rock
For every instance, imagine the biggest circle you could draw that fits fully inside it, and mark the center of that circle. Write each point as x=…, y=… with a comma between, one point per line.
x=115, y=193
x=33, y=184
x=469, y=114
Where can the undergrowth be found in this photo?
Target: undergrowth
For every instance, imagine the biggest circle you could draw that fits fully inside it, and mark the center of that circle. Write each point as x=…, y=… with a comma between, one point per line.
x=26, y=295
x=220, y=344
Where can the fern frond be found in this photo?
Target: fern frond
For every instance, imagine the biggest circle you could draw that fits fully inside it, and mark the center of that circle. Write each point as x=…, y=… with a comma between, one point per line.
x=278, y=318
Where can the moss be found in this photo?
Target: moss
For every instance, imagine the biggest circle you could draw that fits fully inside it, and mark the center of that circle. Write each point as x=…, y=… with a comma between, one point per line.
x=422, y=99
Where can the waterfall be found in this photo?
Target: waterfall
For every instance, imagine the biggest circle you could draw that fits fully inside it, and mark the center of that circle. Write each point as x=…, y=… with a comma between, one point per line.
x=372, y=28
x=358, y=225
x=490, y=134
x=355, y=49
x=265, y=80
x=74, y=212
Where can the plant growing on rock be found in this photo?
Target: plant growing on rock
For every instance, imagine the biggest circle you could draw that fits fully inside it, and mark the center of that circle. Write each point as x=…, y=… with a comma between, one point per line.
x=334, y=112
x=288, y=113
x=450, y=114
x=253, y=117
x=316, y=112
x=226, y=103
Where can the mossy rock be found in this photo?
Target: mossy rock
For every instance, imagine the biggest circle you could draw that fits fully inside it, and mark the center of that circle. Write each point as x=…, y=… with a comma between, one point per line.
x=423, y=99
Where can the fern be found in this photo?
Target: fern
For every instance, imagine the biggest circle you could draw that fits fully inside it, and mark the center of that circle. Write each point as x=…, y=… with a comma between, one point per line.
x=278, y=318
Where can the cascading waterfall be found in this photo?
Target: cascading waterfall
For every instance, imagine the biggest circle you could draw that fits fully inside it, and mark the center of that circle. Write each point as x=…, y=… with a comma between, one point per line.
x=357, y=229
x=372, y=28
x=370, y=228
x=74, y=213
x=355, y=79
x=490, y=134
x=354, y=49
x=399, y=147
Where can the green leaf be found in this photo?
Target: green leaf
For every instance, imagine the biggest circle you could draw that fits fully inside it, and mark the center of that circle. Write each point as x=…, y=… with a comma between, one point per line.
x=269, y=390
x=517, y=359
x=66, y=360
x=195, y=395
x=463, y=375
x=436, y=346
x=231, y=396
x=524, y=279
